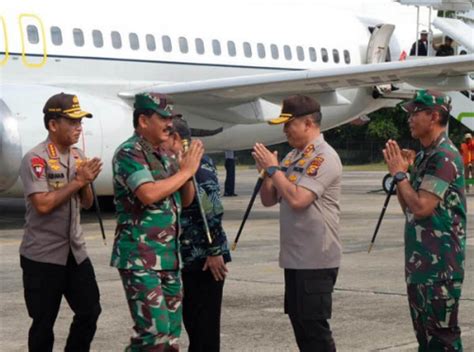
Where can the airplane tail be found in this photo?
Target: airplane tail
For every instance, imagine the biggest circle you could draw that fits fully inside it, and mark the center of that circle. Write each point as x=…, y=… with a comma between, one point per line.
x=463, y=107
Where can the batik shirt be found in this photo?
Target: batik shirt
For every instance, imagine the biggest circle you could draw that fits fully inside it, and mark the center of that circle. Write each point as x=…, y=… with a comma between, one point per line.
x=195, y=247
x=146, y=236
x=435, y=246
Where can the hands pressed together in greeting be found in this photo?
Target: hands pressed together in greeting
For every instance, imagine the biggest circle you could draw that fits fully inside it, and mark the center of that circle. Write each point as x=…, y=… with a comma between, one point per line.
x=191, y=159
x=88, y=171
x=264, y=158
x=397, y=159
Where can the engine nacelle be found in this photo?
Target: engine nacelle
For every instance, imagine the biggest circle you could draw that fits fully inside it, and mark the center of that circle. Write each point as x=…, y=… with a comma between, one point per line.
x=10, y=148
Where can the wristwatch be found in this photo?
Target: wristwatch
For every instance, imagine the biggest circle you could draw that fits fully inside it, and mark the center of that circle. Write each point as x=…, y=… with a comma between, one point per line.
x=399, y=176
x=271, y=170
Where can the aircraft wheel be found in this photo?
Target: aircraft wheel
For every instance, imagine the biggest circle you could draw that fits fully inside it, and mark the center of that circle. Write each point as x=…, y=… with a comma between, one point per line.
x=386, y=182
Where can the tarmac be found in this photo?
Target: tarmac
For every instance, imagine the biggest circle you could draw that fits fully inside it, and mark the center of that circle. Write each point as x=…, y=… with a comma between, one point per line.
x=370, y=311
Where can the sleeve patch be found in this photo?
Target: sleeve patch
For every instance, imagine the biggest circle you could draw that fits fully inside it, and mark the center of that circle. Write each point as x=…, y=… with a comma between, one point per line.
x=313, y=168
x=38, y=165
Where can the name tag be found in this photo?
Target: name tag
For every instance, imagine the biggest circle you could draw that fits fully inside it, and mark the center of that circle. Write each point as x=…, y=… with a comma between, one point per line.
x=54, y=176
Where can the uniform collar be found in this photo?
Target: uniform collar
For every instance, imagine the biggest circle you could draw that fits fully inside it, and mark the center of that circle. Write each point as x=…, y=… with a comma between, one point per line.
x=54, y=153
x=147, y=146
x=441, y=138
x=311, y=147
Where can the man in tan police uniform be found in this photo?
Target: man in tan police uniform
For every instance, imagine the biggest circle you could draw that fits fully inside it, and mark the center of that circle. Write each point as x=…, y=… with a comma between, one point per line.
x=56, y=181
x=307, y=184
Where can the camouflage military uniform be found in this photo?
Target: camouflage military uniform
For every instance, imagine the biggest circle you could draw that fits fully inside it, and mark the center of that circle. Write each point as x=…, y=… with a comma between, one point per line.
x=435, y=248
x=146, y=249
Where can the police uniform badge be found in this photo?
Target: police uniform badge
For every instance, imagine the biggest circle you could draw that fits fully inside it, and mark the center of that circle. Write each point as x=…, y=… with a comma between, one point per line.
x=308, y=150
x=78, y=163
x=54, y=164
x=38, y=165
x=313, y=168
x=52, y=152
x=77, y=158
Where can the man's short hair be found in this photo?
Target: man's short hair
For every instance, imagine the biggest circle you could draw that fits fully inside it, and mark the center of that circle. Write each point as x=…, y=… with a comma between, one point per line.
x=444, y=117
x=49, y=117
x=138, y=112
x=316, y=117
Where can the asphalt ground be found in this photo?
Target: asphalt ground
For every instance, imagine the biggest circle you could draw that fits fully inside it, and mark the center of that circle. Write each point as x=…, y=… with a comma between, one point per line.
x=370, y=311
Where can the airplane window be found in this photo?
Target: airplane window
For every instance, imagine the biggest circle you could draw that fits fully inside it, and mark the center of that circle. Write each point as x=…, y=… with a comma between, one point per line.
x=324, y=55
x=335, y=55
x=116, y=39
x=274, y=50
x=150, y=42
x=199, y=46
x=183, y=45
x=166, y=41
x=78, y=36
x=33, y=36
x=56, y=35
x=134, y=43
x=97, y=38
x=300, y=53
x=261, y=50
x=347, y=57
x=247, y=49
x=216, y=47
x=231, y=48
x=287, y=51
x=312, y=54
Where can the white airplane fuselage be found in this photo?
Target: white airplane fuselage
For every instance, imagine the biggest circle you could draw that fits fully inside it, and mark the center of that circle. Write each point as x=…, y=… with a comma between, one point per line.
x=88, y=62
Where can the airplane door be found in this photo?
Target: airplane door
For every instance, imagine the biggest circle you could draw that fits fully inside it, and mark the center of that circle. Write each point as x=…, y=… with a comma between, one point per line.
x=378, y=43
x=3, y=42
x=33, y=41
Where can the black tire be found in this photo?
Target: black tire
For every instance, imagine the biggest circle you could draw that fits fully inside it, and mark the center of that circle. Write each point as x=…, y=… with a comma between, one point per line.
x=386, y=182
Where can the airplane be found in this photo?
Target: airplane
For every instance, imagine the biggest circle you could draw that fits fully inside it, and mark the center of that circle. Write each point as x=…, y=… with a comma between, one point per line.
x=227, y=65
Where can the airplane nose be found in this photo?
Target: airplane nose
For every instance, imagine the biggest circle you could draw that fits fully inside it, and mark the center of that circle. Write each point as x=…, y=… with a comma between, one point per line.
x=10, y=148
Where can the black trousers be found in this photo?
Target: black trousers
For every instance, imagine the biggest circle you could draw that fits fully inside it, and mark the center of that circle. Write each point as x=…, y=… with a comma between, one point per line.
x=308, y=303
x=229, y=184
x=202, y=301
x=44, y=285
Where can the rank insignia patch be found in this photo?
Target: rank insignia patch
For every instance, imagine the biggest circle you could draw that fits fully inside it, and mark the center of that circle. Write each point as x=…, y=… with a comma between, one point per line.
x=308, y=150
x=313, y=168
x=56, y=184
x=78, y=163
x=53, y=154
x=54, y=164
x=38, y=166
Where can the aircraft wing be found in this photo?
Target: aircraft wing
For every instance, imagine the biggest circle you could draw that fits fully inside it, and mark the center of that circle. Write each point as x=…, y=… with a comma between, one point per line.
x=442, y=73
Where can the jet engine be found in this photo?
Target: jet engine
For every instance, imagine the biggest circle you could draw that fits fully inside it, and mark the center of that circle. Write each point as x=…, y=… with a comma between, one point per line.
x=10, y=148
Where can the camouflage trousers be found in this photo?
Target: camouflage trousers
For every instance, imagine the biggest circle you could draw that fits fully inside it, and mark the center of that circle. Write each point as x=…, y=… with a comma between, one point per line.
x=434, y=313
x=154, y=298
